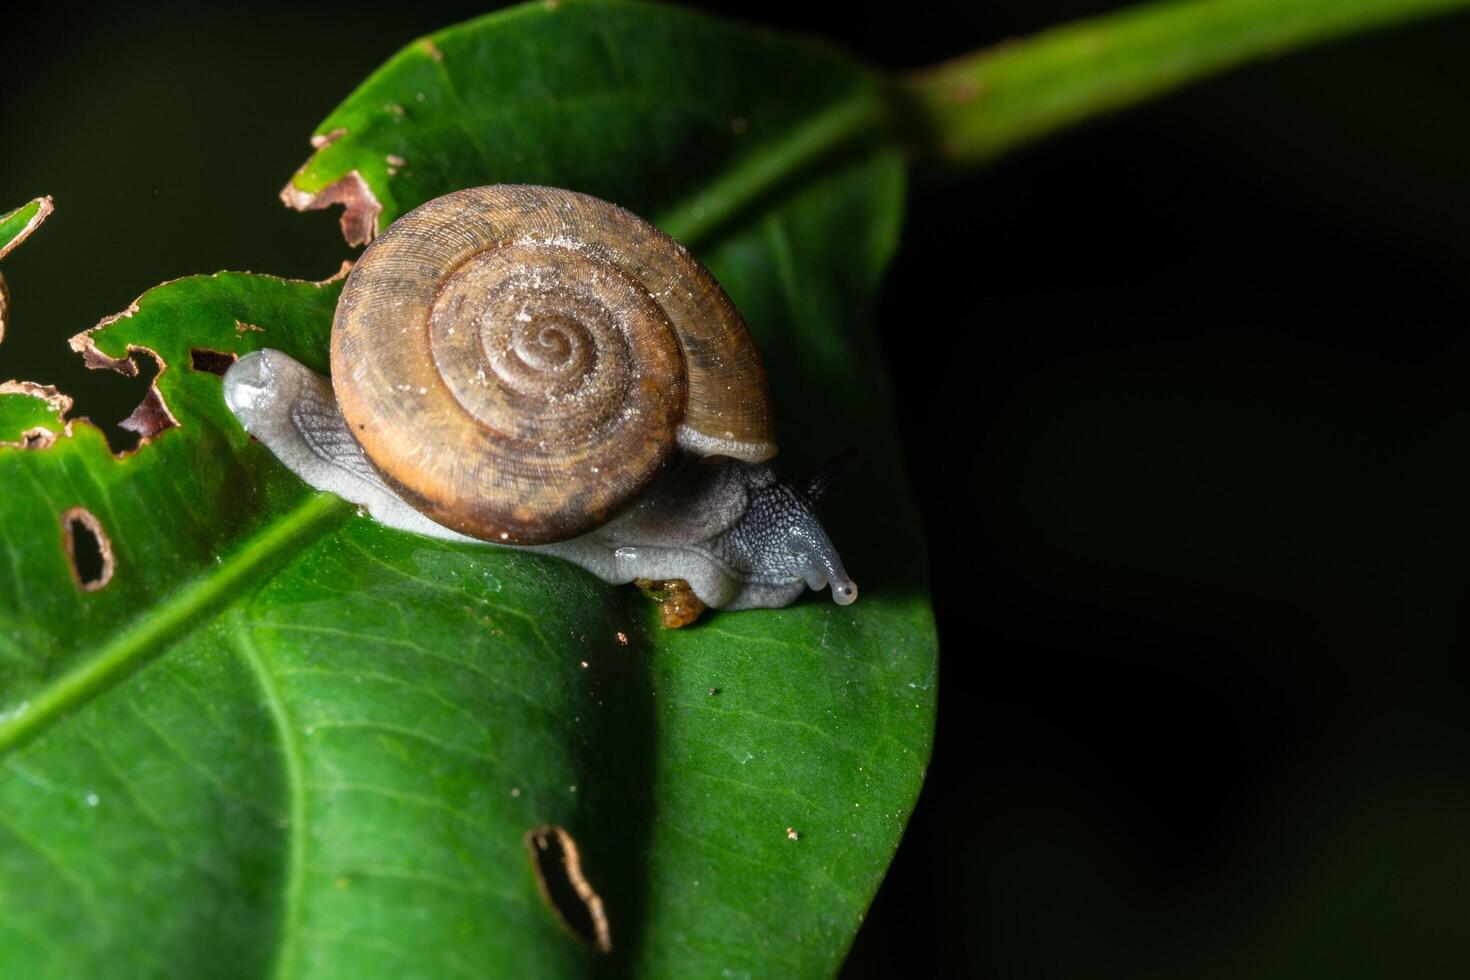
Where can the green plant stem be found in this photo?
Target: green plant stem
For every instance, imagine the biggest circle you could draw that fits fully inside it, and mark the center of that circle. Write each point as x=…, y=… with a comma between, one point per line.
x=149, y=635
x=976, y=107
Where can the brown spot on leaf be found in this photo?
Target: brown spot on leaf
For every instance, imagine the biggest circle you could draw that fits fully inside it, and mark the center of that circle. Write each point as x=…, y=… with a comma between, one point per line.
x=558, y=868
x=242, y=327
x=360, y=205
x=210, y=360
x=149, y=419
x=88, y=549
x=322, y=140
x=428, y=47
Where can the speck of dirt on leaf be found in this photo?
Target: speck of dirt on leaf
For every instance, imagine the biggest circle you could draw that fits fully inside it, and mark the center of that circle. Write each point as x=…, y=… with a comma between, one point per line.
x=792, y=834
x=584, y=665
x=714, y=691
x=622, y=638
x=515, y=791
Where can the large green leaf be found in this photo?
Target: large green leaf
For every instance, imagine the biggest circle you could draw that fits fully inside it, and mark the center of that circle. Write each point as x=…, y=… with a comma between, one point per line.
x=282, y=738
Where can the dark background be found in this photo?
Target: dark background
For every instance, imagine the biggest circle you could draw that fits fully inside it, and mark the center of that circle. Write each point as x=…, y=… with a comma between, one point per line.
x=1186, y=417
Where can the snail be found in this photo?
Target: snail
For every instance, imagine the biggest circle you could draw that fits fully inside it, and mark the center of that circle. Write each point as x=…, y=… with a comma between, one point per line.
x=537, y=368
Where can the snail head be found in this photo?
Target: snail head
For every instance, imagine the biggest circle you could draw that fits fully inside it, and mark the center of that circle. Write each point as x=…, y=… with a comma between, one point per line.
x=780, y=538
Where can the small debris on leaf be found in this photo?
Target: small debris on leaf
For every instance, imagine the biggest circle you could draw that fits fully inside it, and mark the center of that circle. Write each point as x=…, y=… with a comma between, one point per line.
x=88, y=549
x=622, y=638
x=242, y=327
x=558, y=868
x=791, y=834
x=714, y=691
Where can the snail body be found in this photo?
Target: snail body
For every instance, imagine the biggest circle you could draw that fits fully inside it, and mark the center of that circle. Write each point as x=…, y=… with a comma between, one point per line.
x=536, y=368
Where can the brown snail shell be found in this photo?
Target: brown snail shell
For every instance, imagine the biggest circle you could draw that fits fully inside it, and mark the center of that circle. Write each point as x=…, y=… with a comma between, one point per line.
x=518, y=362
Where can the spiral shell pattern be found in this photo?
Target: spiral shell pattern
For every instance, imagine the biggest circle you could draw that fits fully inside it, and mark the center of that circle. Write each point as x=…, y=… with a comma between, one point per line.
x=518, y=362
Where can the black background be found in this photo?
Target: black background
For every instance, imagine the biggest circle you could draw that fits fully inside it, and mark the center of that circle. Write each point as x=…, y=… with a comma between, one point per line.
x=1184, y=404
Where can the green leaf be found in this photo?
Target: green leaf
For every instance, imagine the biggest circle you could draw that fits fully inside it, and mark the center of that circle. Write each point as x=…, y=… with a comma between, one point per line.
x=30, y=414
x=971, y=109
x=18, y=224
x=283, y=739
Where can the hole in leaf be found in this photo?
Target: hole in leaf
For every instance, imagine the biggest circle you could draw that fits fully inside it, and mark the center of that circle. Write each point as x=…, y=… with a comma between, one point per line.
x=149, y=419
x=559, y=876
x=37, y=438
x=213, y=361
x=150, y=416
x=88, y=549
